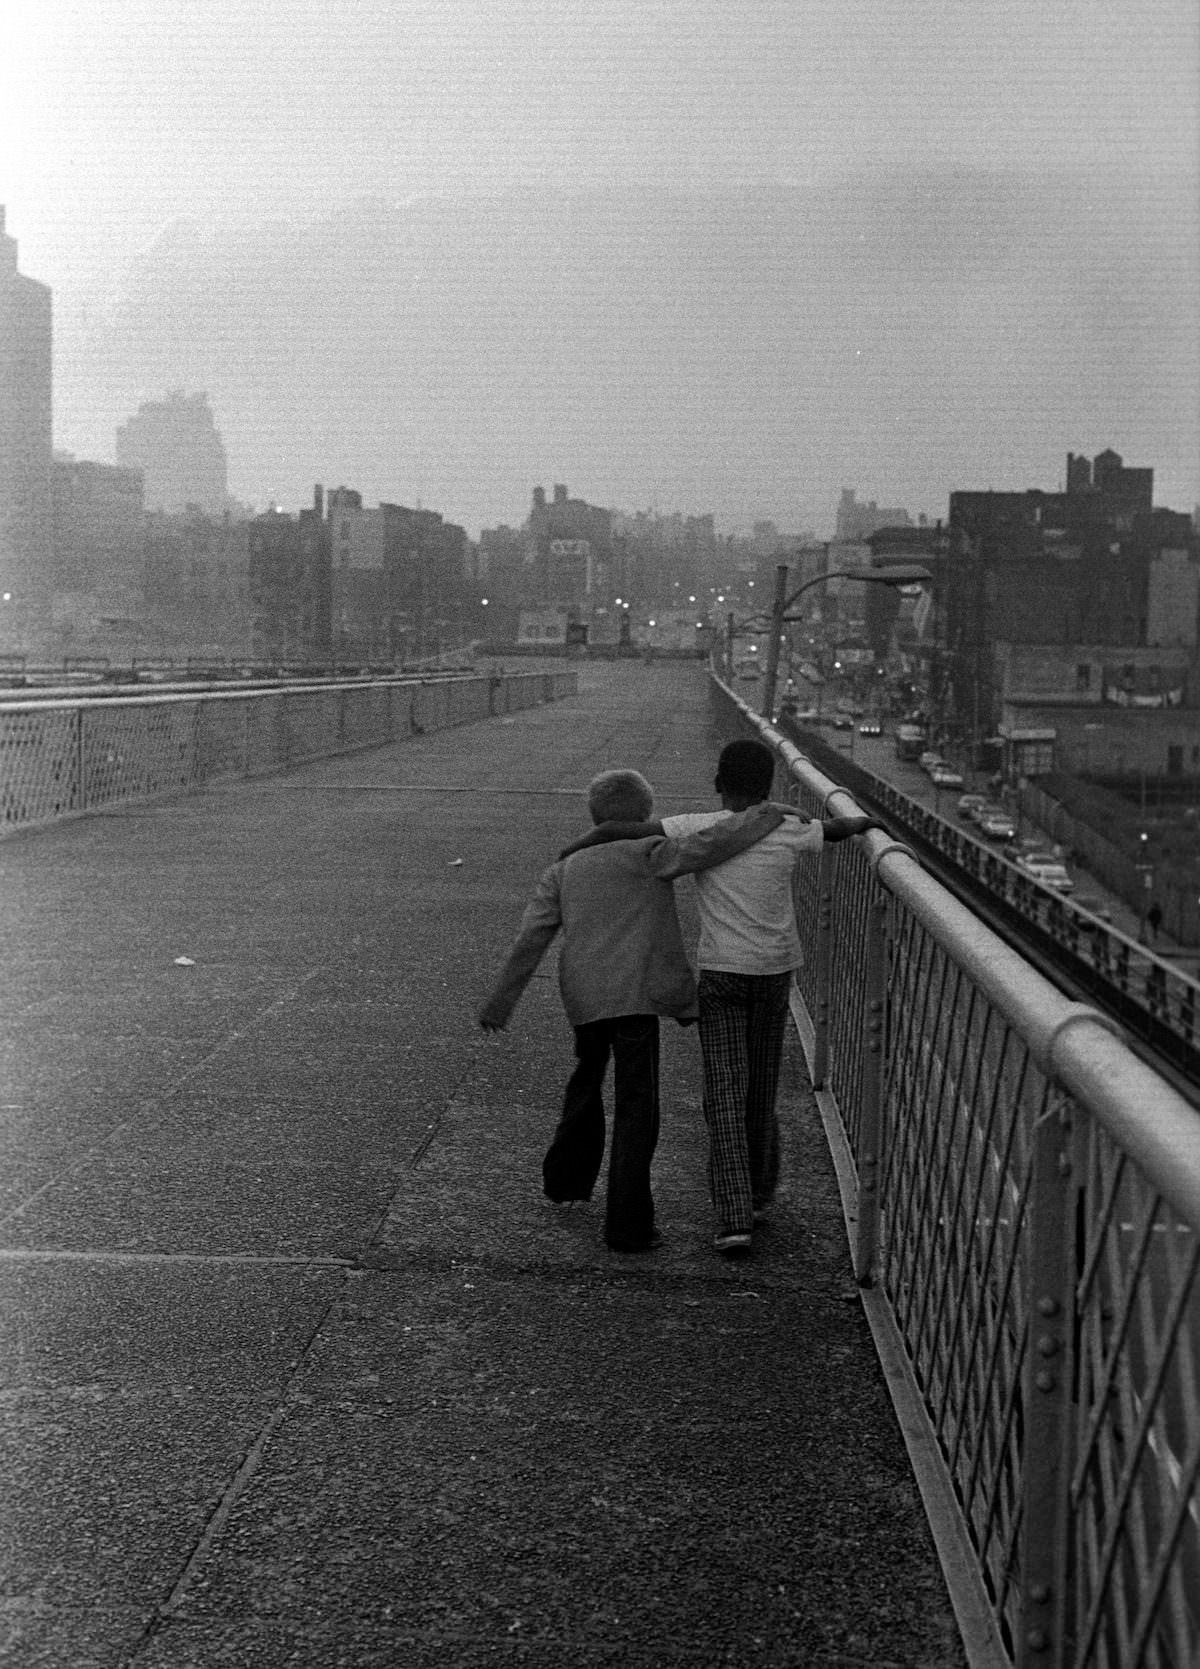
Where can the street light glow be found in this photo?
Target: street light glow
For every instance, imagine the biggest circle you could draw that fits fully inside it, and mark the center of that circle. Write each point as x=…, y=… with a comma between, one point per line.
x=896, y=575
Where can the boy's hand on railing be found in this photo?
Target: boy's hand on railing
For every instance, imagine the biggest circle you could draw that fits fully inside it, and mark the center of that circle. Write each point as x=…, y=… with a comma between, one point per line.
x=841, y=828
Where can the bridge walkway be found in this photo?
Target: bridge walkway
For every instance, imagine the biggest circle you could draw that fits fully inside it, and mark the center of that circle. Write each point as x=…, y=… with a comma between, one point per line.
x=298, y=1368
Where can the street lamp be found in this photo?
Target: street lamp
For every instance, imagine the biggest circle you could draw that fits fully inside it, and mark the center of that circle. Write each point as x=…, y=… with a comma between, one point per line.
x=897, y=575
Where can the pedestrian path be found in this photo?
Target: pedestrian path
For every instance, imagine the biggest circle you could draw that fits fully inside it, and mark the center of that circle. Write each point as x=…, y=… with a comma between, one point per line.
x=298, y=1368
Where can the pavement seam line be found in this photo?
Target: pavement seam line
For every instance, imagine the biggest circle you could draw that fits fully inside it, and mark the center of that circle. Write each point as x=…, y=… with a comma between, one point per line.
x=232, y=1037
x=65, y=1254
x=422, y=1148
x=234, y=1490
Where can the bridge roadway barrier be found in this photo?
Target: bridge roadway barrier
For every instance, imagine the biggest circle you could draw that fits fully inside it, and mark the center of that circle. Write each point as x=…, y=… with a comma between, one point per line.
x=298, y=1368
x=1023, y=1197
x=63, y=758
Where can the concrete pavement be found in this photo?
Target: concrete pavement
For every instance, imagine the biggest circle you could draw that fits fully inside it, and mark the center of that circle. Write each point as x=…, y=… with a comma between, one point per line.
x=298, y=1368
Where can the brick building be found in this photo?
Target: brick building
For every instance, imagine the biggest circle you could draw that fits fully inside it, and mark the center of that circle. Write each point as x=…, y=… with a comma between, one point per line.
x=290, y=584
x=1082, y=573
x=573, y=550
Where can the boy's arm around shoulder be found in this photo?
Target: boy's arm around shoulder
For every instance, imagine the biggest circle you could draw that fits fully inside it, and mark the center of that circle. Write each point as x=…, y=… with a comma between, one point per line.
x=613, y=829
x=685, y=854
x=539, y=924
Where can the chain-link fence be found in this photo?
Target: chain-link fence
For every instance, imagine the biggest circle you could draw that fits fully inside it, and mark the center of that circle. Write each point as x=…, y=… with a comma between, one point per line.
x=66, y=757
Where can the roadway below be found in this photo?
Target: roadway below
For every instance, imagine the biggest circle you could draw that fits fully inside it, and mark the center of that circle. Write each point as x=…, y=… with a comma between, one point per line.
x=878, y=754
x=298, y=1367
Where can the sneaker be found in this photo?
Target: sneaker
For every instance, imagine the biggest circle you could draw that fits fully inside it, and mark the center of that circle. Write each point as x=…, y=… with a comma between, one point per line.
x=724, y=1241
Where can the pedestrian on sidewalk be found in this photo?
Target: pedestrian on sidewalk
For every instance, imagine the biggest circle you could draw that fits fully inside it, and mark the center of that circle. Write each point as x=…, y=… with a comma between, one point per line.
x=749, y=952
x=1154, y=918
x=622, y=967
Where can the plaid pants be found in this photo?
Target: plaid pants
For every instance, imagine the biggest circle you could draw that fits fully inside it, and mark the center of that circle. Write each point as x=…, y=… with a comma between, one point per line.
x=743, y=1021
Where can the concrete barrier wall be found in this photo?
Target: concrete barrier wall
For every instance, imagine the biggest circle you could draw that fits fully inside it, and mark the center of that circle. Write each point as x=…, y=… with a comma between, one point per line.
x=66, y=758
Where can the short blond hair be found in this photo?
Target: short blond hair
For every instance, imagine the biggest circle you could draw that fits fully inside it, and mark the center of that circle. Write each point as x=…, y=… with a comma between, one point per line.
x=623, y=796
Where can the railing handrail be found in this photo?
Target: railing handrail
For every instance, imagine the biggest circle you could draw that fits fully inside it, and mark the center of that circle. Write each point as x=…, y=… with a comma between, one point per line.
x=239, y=692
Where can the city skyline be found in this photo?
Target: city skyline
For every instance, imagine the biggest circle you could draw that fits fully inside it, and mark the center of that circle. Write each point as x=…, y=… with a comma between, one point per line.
x=688, y=261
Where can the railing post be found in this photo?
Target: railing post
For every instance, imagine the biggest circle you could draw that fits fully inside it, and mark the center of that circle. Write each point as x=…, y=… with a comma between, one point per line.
x=80, y=759
x=824, y=971
x=870, y=1123
x=1048, y=1369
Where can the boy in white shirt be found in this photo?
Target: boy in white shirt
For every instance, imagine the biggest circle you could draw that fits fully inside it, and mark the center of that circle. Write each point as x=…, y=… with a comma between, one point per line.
x=749, y=950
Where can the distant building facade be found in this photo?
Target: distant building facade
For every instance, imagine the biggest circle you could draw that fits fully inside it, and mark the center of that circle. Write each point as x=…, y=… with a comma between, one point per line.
x=99, y=526
x=26, y=452
x=290, y=584
x=856, y=522
x=362, y=582
x=1095, y=573
x=175, y=444
x=573, y=549
x=197, y=584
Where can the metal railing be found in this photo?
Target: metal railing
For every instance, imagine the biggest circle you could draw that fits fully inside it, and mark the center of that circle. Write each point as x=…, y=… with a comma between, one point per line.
x=1156, y=1000
x=1022, y=1195
x=66, y=758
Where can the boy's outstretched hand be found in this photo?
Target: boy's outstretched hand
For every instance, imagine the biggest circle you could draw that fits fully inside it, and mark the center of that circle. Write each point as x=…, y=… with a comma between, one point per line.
x=841, y=828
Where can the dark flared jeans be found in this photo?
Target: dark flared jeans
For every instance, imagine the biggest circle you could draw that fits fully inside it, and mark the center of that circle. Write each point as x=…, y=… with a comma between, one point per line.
x=573, y=1160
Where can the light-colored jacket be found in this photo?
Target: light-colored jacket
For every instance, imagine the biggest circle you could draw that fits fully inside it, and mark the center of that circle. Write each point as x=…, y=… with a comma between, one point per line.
x=622, y=950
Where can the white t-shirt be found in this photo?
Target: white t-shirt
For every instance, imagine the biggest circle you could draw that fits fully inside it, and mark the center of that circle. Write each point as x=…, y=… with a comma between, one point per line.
x=747, y=917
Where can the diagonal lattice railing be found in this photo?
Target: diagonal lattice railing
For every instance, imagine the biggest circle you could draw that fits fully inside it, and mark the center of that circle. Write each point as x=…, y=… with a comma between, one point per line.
x=65, y=757
x=1023, y=1198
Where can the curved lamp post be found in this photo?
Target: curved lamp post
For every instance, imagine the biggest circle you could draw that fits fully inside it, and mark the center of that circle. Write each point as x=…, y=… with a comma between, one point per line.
x=897, y=575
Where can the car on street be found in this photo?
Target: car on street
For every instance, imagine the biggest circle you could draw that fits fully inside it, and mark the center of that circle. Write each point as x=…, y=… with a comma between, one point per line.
x=996, y=824
x=843, y=721
x=870, y=727
x=1033, y=846
x=929, y=759
x=945, y=776
x=969, y=804
x=1046, y=868
x=1094, y=907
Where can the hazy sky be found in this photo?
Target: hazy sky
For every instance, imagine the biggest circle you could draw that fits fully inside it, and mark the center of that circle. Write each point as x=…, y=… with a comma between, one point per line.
x=117, y=119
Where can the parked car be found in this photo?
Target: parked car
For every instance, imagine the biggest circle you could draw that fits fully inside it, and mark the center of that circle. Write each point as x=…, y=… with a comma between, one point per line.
x=929, y=759
x=1047, y=869
x=945, y=776
x=969, y=804
x=870, y=727
x=1093, y=906
x=1030, y=846
x=843, y=721
x=996, y=824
